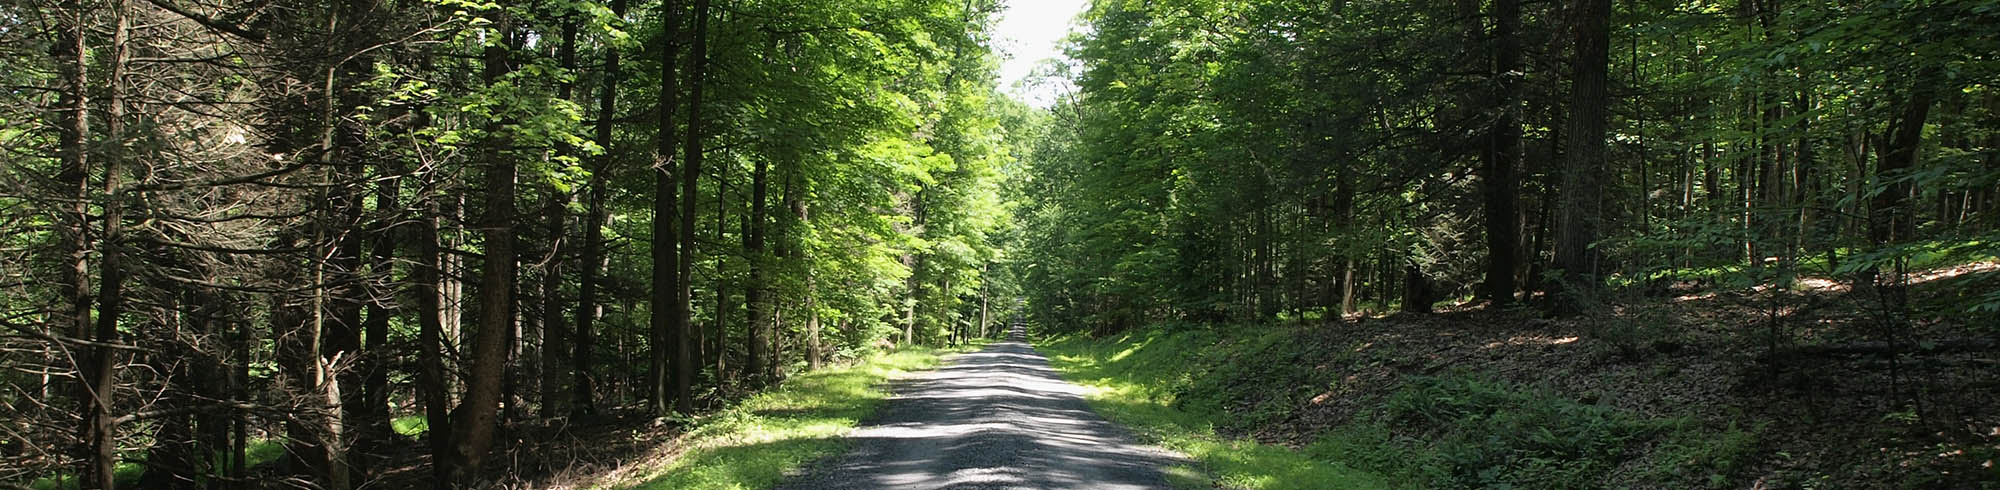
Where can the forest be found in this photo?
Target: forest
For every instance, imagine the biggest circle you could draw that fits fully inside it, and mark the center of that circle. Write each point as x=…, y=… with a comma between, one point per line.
x=344, y=244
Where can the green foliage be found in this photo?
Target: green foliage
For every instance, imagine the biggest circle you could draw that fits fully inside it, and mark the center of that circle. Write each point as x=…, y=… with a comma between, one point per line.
x=1185, y=386
x=1286, y=378
x=1493, y=434
x=1710, y=457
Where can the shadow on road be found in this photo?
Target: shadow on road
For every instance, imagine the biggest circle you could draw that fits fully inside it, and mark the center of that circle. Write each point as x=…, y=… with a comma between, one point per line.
x=998, y=418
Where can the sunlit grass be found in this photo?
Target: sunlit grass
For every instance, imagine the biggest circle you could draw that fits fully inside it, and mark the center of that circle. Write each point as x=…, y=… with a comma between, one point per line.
x=1130, y=380
x=757, y=442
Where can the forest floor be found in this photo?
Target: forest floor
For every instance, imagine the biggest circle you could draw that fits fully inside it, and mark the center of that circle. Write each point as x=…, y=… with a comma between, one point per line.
x=1688, y=387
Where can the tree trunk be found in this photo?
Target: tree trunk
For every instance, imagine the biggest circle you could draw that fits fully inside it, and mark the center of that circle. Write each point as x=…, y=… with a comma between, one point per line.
x=99, y=372
x=474, y=420
x=432, y=386
x=1891, y=215
x=583, y=389
x=371, y=409
x=718, y=350
x=1584, y=166
x=1503, y=149
x=813, y=353
x=684, y=365
x=555, y=335
x=754, y=369
x=1343, y=208
x=983, y=278
x=665, y=309
x=915, y=261
x=73, y=129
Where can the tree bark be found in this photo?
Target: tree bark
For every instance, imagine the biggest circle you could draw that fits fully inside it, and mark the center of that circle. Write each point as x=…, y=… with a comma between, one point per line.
x=475, y=418
x=666, y=259
x=1891, y=215
x=684, y=365
x=718, y=349
x=99, y=372
x=1583, y=169
x=73, y=129
x=432, y=386
x=1503, y=149
x=755, y=370
x=582, y=394
x=555, y=335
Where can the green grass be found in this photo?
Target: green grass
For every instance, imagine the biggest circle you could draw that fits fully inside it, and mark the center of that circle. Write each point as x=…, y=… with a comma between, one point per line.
x=1136, y=379
x=753, y=444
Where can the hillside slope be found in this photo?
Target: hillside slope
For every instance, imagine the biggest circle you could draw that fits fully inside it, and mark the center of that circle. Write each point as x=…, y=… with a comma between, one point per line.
x=1675, y=392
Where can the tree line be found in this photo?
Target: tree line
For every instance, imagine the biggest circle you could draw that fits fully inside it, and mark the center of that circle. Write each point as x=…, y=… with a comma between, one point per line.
x=1273, y=160
x=232, y=223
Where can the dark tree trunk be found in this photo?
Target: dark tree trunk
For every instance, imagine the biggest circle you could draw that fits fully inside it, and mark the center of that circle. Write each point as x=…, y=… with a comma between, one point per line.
x=718, y=349
x=582, y=394
x=1503, y=149
x=794, y=209
x=555, y=335
x=73, y=129
x=684, y=359
x=99, y=370
x=1584, y=167
x=371, y=409
x=754, y=368
x=1418, y=293
x=474, y=419
x=666, y=258
x=1891, y=215
x=432, y=386
x=915, y=261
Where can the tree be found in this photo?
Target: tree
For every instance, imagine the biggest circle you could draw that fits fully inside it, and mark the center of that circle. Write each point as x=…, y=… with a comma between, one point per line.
x=669, y=333
x=474, y=419
x=1583, y=159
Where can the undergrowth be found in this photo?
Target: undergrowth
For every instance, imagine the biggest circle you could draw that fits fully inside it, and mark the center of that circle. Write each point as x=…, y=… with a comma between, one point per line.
x=1187, y=388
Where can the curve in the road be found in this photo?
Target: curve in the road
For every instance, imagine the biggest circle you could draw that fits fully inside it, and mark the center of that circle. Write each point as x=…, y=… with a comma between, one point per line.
x=996, y=419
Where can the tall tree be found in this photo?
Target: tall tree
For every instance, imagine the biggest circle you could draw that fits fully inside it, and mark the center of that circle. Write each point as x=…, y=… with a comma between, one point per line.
x=668, y=339
x=684, y=359
x=583, y=389
x=474, y=420
x=1584, y=155
x=1501, y=152
x=99, y=371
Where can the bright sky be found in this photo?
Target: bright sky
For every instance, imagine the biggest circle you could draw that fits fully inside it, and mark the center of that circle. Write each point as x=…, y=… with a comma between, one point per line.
x=1030, y=31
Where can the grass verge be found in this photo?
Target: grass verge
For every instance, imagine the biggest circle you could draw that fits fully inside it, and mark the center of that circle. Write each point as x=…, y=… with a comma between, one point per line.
x=757, y=442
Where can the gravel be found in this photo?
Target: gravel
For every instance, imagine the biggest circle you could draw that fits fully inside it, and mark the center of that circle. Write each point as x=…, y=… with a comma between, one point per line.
x=996, y=419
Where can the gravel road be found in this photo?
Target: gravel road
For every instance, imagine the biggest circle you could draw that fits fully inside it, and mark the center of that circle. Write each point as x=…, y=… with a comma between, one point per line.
x=996, y=419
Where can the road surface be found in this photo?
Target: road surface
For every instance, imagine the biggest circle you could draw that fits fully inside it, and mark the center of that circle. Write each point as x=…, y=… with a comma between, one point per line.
x=996, y=419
